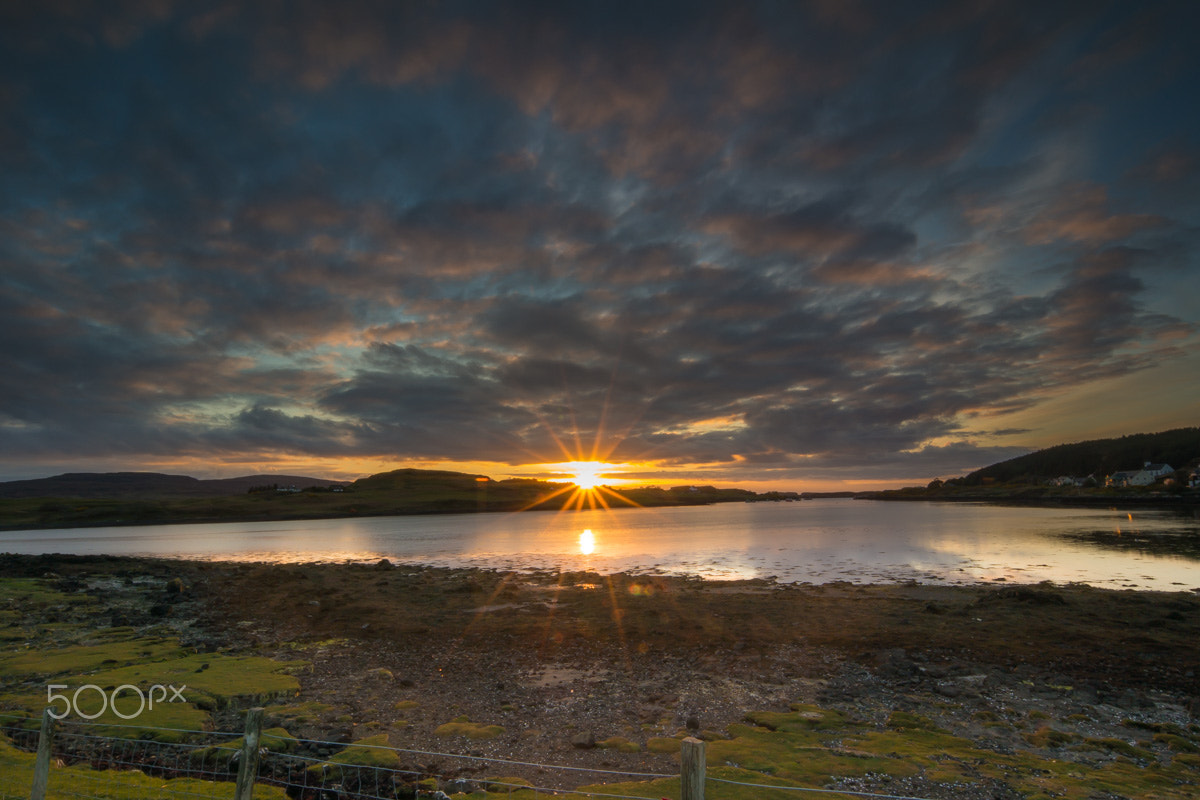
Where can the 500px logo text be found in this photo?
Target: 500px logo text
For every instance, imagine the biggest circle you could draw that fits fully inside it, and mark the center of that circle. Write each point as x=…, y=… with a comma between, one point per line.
x=145, y=700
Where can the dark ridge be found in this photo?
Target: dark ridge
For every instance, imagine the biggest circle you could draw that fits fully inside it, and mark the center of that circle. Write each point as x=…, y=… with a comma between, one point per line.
x=142, y=484
x=1100, y=457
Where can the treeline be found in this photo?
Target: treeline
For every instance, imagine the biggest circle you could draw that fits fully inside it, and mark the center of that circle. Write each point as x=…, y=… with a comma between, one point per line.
x=276, y=487
x=1098, y=457
x=694, y=496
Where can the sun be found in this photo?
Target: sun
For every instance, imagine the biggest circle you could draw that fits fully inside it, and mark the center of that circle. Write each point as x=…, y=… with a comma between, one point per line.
x=585, y=474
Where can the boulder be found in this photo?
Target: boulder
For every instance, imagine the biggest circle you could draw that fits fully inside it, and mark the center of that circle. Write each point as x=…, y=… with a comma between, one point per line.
x=583, y=741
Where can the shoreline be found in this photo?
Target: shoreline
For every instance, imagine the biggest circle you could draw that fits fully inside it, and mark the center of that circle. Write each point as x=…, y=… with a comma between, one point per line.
x=563, y=662
x=1134, y=501
x=1165, y=502
x=320, y=514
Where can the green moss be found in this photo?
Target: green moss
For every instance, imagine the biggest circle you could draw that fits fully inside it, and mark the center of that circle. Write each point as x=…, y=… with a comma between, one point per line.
x=34, y=593
x=902, y=719
x=663, y=744
x=801, y=718
x=83, y=659
x=299, y=713
x=16, y=778
x=1119, y=746
x=461, y=726
x=175, y=719
x=1046, y=736
x=373, y=751
x=406, y=705
x=1176, y=743
x=620, y=744
x=215, y=675
x=502, y=785
x=276, y=740
x=918, y=749
x=205, y=681
x=324, y=643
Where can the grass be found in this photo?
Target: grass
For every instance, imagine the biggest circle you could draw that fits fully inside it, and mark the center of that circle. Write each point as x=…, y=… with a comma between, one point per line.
x=72, y=655
x=372, y=751
x=620, y=744
x=32, y=593
x=471, y=730
x=83, y=658
x=70, y=782
x=276, y=740
x=213, y=675
x=302, y=713
x=663, y=744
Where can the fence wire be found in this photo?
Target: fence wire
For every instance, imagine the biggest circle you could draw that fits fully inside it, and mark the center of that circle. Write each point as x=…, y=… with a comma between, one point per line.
x=808, y=790
x=89, y=763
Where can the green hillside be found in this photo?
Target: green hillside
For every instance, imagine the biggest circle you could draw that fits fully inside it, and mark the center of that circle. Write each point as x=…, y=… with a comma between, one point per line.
x=1031, y=478
x=1099, y=457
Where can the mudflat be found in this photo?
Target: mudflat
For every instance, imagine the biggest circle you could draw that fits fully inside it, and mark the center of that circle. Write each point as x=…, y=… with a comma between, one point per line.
x=607, y=671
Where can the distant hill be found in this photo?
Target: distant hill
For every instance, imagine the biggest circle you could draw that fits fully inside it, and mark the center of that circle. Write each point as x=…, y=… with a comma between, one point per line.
x=426, y=491
x=147, y=484
x=129, y=498
x=409, y=479
x=1101, y=457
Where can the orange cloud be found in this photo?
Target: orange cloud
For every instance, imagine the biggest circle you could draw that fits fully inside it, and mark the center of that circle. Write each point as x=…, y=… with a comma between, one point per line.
x=1082, y=215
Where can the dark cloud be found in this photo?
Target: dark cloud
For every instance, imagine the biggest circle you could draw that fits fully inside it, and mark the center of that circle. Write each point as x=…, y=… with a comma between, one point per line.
x=753, y=240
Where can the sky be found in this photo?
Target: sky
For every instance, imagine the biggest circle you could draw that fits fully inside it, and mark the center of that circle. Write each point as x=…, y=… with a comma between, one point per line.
x=810, y=246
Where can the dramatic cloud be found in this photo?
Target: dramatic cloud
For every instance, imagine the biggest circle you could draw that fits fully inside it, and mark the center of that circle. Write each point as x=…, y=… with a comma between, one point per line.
x=775, y=243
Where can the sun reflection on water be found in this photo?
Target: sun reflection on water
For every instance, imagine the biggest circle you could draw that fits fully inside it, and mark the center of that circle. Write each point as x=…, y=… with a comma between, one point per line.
x=587, y=542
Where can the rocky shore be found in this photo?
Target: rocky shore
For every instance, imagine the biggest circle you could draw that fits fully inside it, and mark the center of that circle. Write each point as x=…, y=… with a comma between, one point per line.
x=608, y=672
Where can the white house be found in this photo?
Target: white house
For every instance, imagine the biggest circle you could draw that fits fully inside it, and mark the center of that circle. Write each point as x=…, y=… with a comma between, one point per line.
x=1145, y=476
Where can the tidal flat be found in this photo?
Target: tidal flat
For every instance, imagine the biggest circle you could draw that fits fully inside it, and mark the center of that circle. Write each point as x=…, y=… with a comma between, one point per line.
x=991, y=690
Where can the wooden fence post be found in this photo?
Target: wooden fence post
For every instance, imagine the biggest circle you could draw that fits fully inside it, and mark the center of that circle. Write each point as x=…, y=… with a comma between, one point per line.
x=248, y=760
x=691, y=773
x=41, y=765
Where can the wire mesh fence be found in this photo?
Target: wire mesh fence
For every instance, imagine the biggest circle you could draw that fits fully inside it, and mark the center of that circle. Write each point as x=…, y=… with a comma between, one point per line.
x=92, y=761
x=87, y=761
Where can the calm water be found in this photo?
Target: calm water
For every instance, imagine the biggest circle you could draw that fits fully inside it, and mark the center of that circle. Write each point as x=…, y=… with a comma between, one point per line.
x=816, y=541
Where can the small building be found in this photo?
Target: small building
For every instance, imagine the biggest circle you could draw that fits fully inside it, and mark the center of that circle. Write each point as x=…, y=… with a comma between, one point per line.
x=1120, y=479
x=1145, y=476
x=1157, y=471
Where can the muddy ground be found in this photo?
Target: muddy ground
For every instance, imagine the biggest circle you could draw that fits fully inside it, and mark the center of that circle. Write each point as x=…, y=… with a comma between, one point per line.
x=563, y=660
